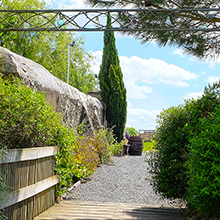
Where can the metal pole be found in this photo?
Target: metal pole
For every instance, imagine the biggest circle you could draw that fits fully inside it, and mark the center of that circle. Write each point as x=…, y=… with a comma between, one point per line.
x=68, y=67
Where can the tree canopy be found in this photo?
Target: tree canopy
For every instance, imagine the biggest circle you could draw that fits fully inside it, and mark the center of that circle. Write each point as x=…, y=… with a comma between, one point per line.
x=50, y=49
x=201, y=44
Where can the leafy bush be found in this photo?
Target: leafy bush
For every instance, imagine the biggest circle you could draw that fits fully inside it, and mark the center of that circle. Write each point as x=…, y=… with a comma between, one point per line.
x=80, y=154
x=186, y=161
x=166, y=164
x=26, y=118
x=204, y=167
x=117, y=147
x=203, y=164
x=203, y=107
x=77, y=158
x=105, y=144
x=132, y=131
x=148, y=146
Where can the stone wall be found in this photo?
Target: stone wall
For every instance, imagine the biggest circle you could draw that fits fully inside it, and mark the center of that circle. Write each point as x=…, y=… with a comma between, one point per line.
x=74, y=105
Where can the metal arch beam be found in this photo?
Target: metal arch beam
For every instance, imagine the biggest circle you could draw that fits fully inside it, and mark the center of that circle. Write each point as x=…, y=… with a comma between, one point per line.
x=95, y=20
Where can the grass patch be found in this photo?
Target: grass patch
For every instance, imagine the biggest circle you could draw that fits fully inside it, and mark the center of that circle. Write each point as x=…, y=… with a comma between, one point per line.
x=148, y=146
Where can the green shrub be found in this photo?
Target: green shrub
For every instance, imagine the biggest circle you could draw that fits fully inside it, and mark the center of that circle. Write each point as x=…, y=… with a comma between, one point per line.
x=204, y=167
x=26, y=118
x=132, y=131
x=166, y=164
x=148, y=146
x=186, y=161
x=117, y=147
x=203, y=107
x=102, y=145
x=80, y=154
x=203, y=164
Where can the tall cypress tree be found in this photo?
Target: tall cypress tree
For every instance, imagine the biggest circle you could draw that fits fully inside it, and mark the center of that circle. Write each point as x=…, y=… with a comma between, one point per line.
x=112, y=87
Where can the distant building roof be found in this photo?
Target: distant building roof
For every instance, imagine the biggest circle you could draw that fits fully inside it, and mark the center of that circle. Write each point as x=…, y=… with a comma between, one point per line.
x=96, y=94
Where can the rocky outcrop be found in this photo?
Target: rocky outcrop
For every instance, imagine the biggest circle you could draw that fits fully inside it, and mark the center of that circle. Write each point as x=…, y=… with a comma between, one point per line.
x=74, y=105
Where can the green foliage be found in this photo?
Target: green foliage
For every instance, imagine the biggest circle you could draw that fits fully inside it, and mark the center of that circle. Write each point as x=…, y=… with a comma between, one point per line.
x=204, y=166
x=117, y=147
x=186, y=161
x=132, y=131
x=50, y=49
x=80, y=154
x=77, y=158
x=26, y=119
x=167, y=162
x=112, y=87
x=203, y=163
x=203, y=107
x=201, y=44
x=55, y=58
x=148, y=146
x=102, y=146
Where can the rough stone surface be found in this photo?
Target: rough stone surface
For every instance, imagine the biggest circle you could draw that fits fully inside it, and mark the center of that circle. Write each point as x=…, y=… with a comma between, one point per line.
x=74, y=105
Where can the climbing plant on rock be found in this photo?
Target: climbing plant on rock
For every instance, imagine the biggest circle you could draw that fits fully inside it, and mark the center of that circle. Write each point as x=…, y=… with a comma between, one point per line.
x=112, y=87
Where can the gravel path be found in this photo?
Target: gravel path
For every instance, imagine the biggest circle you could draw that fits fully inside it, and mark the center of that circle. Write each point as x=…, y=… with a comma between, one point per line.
x=123, y=182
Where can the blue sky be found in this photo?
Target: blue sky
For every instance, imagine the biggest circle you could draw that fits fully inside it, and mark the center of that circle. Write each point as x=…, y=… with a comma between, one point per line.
x=155, y=78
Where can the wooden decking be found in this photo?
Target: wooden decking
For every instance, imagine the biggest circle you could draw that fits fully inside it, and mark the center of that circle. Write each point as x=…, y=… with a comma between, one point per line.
x=92, y=210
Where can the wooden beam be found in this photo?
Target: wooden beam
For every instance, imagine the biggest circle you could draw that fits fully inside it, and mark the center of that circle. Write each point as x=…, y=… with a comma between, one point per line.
x=17, y=155
x=29, y=191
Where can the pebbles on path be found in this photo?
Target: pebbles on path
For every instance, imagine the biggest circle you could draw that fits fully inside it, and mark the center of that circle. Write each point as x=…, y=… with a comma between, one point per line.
x=123, y=182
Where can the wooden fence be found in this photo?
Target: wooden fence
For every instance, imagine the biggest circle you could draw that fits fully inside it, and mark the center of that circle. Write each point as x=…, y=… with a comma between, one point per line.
x=33, y=184
x=146, y=133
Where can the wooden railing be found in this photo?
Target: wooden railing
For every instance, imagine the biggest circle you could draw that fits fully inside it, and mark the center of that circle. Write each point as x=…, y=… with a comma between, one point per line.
x=29, y=173
x=146, y=133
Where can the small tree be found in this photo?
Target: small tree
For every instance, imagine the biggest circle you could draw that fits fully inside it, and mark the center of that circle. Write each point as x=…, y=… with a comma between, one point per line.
x=112, y=87
x=132, y=131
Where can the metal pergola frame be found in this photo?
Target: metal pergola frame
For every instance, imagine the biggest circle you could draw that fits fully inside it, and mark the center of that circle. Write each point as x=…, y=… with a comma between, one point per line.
x=95, y=20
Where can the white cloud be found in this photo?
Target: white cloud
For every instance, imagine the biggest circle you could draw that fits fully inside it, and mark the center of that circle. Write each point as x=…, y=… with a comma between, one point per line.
x=212, y=79
x=194, y=95
x=155, y=71
x=141, y=118
x=212, y=63
x=209, y=61
x=179, y=51
x=133, y=89
x=139, y=72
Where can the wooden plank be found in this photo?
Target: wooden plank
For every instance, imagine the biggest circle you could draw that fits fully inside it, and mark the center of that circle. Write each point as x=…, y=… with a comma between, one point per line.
x=17, y=155
x=29, y=191
x=67, y=210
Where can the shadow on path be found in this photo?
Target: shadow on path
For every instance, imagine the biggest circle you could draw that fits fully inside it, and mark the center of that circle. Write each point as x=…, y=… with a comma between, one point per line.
x=146, y=213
